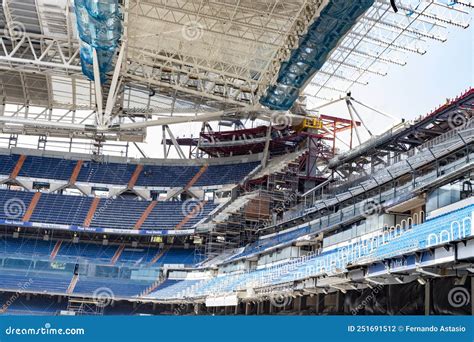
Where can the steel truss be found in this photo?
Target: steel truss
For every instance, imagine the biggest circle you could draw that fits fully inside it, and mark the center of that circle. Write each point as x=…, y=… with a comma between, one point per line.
x=383, y=38
x=188, y=61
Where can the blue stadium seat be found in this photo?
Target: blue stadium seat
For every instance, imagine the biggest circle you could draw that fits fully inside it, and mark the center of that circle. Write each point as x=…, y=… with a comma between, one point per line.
x=120, y=173
x=7, y=163
x=116, y=213
x=47, y=168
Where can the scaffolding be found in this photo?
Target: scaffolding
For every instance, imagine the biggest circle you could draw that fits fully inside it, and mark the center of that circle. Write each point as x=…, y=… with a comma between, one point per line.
x=84, y=306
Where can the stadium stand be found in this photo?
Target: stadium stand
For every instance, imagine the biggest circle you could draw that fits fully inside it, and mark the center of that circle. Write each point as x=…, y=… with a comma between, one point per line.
x=36, y=249
x=116, y=214
x=172, y=288
x=119, y=288
x=120, y=174
x=52, y=168
x=266, y=204
x=7, y=164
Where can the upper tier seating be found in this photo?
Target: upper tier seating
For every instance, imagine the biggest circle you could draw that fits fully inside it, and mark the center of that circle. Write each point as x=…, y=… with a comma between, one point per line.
x=121, y=173
x=111, y=173
x=7, y=164
x=110, y=213
x=54, y=168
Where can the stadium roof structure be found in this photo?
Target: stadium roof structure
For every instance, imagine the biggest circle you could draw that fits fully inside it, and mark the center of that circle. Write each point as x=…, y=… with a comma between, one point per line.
x=180, y=61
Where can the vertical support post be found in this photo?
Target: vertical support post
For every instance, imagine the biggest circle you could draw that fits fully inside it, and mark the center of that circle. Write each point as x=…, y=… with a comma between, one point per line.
x=428, y=297
x=339, y=302
x=353, y=123
x=352, y=133
x=165, y=155
x=472, y=296
x=267, y=145
x=297, y=305
x=319, y=299
x=114, y=87
x=98, y=89
x=175, y=143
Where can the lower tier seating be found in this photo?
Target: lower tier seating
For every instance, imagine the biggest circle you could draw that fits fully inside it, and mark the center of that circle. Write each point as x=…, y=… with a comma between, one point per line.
x=110, y=288
x=58, y=283
x=34, y=249
x=172, y=288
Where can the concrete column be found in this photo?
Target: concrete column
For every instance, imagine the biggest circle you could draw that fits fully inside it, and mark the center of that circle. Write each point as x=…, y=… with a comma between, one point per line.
x=259, y=308
x=297, y=304
x=339, y=302
x=472, y=296
x=197, y=309
x=304, y=305
x=319, y=300
x=428, y=297
x=247, y=308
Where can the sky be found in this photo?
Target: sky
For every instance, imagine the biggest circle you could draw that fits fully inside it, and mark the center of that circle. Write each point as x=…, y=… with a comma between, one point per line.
x=445, y=71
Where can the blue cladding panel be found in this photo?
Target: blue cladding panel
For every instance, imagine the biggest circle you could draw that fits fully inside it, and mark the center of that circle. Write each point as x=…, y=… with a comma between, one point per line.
x=103, y=9
x=99, y=25
x=336, y=19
